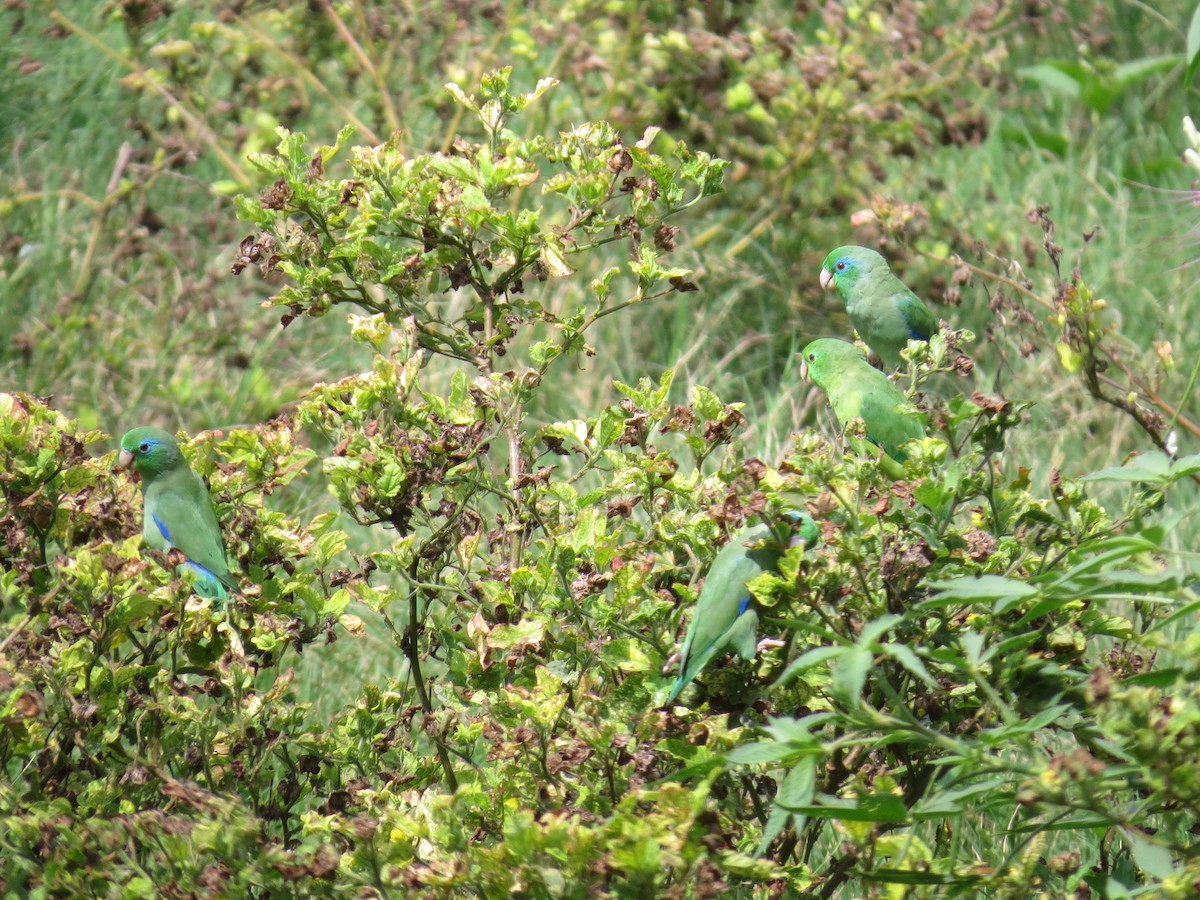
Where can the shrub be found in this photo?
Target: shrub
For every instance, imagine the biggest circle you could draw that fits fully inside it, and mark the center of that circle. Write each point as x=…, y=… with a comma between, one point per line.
x=980, y=684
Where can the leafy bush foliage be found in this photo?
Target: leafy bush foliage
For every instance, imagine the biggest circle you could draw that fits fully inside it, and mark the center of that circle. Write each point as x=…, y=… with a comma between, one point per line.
x=985, y=678
x=965, y=654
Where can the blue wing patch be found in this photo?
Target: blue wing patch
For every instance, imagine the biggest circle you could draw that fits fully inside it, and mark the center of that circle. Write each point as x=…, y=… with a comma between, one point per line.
x=199, y=569
x=744, y=605
x=162, y=528
x=914, y=332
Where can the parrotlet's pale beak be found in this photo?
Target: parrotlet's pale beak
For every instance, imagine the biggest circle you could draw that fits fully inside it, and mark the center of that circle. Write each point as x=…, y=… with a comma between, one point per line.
x=826, y=279
x=124, y=459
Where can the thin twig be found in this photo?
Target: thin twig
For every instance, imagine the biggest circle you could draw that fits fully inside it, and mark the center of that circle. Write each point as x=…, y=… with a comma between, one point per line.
x=414, y=666
x=389, y=108
x=112, y=193
x=207, y=135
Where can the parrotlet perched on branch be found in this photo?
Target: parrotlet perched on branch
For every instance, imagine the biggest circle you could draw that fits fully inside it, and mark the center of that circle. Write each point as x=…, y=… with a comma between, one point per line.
x=178, y=511
x=857, y=390
x=725, y=617
x=884, y=312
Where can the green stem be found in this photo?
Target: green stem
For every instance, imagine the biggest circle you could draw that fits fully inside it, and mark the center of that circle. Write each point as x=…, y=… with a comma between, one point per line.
x=414, y=666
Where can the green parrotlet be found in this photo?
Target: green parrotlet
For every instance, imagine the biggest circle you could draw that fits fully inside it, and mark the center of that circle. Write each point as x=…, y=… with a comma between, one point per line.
x=856, y=390
x=725, y=617
x=178, y=511
x=884, y=312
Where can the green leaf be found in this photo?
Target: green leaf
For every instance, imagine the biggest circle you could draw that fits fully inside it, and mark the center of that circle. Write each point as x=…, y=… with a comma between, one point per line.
x=952, y=802
x=1185, y=467
x=868, y=808
x=1053, y=77
x=1080, y=822
x=589, y=528
x=800, y=784
x=1153, y=859
x=905, y=656
x=336, y=603
x=1050, y=141
x=850, y=676
x=934, y=495
x=1130, y=73
x=1153, y=467
x=460, y=96
x=526, y=633
x=553, y=259
x=1193, y=47
x=973, y=644
x=978, y=588
x=748, y=867
x=134, y=609
x=327, y=546
x=883, y=808
x=797, y=731
x=626, y=655
x=877, y=628
x=291, y=146
x=808, y=660
x=454, y=167
x=776, y=822
x=796, y=790
x=391, y=479
x=759, y=752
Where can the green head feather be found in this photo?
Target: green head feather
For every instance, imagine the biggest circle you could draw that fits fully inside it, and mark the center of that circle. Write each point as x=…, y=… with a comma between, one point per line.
x=828, y=358
x=846, y=265
x=152, y=451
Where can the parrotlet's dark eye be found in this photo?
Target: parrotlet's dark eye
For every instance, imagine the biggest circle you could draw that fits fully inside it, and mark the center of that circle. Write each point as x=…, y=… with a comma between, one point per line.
x=144, y=447
x=841, y=267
